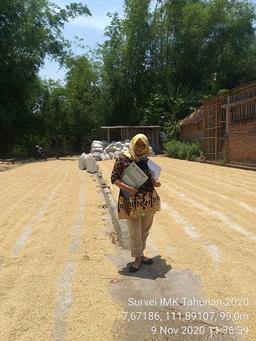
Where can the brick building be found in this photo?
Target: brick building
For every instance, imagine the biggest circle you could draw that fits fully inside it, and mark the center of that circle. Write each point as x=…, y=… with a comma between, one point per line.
x=225, y=125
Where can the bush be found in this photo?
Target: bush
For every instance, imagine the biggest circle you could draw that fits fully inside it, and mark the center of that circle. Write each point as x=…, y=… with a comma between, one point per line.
x=182, y=150
x=172, y=148
x=194, y=151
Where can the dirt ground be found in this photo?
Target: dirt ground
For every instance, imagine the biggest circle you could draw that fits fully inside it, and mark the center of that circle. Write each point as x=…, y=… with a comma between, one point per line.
x=58, y=251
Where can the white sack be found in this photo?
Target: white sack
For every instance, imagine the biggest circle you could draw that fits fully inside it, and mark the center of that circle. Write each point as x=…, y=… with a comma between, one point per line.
x=97, y=149
x=91, y=165
x=112, y=155
x=82, y=161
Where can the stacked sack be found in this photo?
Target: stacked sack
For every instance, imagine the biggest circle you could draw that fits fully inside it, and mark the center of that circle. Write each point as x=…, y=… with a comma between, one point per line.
x=101, y=150
x=97, y=149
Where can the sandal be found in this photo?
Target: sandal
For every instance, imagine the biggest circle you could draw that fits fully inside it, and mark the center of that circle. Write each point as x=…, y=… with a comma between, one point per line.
x=133, y=269
x=148, y=261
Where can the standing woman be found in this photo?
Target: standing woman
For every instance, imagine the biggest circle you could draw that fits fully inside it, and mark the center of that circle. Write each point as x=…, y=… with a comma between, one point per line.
x=141, y=204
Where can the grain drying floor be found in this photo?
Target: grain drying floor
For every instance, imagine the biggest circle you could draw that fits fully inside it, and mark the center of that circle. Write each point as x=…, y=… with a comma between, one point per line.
x=55, y=247
x=208, y=225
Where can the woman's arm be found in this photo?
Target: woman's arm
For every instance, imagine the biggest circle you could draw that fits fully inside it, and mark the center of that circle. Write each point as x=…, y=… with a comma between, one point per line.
x=127, y=188
x=117, y=172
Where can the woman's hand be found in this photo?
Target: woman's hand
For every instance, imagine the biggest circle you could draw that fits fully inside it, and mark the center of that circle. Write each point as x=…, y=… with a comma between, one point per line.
x=133, y=191
x=156, y=183
x=127, y=188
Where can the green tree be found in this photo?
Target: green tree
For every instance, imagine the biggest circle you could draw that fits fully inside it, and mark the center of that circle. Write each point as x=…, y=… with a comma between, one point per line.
x=125, y=56
x=29, y=30
x=53, y=110
x=136, y=52
x=86, y=101
x=231, y=43
x=197, y=48
x=206, y=45
x=113, y=70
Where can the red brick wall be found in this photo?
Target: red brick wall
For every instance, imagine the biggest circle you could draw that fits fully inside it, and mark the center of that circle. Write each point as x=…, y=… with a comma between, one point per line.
x=188, y=132
x=238, y=143
x=242, y=140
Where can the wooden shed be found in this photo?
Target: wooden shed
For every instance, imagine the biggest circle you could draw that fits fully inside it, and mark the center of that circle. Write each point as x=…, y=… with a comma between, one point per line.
x=120, y=133
x=225, y=125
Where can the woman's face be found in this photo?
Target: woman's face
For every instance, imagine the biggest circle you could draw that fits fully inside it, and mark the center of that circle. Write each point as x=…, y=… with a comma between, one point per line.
x=139, y=148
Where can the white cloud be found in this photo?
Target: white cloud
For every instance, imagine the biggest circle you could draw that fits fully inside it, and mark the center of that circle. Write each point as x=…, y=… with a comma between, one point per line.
x=95, y=22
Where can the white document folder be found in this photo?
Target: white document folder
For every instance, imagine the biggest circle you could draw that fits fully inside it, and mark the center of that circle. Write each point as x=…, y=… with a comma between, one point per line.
x=155, y=169
x=133, y=176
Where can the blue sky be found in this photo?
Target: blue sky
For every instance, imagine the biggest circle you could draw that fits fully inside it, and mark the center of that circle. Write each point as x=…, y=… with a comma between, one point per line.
x=91, y=29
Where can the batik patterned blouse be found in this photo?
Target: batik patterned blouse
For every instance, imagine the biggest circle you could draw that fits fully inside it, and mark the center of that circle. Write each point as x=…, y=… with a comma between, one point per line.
x=145, y=201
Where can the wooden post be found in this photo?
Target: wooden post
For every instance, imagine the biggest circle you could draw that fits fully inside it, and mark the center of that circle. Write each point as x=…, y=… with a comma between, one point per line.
x=203, y=128
x=216, y=130
x=227, y=115
x=208, y=132
x=108, y=135
x=157, y=140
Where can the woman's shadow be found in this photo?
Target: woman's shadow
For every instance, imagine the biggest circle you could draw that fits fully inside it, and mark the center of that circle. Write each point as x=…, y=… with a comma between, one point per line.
x=157, y=270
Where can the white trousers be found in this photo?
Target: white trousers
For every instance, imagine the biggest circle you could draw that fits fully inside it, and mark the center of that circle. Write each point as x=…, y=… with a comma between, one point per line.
x=138, y=233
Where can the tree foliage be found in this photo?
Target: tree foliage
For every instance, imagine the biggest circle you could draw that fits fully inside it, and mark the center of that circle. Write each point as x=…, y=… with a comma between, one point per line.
x=177, y=54
x=29, y=30
x=155, y=66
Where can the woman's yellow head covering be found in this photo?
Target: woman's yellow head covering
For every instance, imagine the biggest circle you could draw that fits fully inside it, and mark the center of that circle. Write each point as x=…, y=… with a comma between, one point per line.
x=131, y=152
